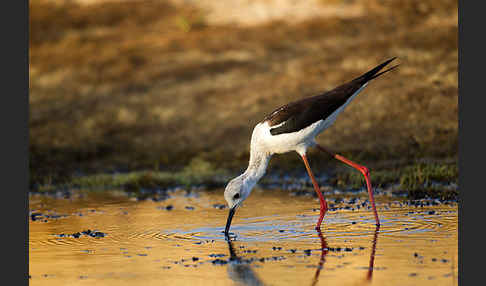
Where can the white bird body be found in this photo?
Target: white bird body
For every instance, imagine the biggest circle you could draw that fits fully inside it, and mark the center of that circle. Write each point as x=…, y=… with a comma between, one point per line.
x=263, y=141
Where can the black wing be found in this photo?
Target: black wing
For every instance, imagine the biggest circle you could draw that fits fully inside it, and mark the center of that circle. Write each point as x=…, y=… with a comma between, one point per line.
x=301, y=113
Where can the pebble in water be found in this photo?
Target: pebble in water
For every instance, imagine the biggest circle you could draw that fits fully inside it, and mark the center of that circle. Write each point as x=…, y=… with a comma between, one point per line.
x=219, y=262
x=219, y=206
x=96, y=234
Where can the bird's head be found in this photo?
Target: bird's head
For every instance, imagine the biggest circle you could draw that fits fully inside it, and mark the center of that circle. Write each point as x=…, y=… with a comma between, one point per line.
x=235, y=193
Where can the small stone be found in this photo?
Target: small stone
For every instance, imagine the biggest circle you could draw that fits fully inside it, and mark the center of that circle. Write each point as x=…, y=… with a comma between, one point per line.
x=219, y=206
x=87, y=232
x=97, y=234
x=219, y=262
x=34, y=216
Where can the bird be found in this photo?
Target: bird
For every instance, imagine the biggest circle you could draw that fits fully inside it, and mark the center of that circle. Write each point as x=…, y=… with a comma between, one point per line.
x=294, y=127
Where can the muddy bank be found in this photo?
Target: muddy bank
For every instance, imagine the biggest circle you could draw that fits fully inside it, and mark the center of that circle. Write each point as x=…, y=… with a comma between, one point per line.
x=417, y=181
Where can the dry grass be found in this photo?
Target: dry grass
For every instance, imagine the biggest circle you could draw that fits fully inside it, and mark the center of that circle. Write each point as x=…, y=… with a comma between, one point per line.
x=130, y=85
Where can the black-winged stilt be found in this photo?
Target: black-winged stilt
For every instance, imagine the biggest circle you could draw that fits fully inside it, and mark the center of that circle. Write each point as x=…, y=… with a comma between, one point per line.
x=293, y=127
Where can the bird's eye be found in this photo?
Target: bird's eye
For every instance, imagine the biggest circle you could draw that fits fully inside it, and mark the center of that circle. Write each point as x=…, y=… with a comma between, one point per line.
x=236, y=196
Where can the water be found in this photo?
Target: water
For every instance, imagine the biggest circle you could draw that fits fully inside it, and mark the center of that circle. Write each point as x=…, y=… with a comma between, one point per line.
x=275, y=243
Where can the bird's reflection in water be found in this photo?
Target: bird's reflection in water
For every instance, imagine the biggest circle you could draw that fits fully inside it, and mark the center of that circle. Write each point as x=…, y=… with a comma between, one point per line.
x=239, y=270
x=372, y=255
x=324, y=249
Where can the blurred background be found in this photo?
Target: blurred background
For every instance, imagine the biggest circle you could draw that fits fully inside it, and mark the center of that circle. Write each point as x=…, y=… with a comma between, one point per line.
x=124, y=85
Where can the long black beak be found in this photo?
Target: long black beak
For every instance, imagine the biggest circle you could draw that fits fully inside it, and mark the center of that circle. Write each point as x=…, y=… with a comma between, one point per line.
x=230, y=218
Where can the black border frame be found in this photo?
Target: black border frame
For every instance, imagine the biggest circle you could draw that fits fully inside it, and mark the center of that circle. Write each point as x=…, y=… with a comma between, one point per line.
x=14, y=25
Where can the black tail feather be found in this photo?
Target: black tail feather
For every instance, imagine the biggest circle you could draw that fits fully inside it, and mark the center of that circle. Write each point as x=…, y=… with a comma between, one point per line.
x=373, y=73
x=378, y=74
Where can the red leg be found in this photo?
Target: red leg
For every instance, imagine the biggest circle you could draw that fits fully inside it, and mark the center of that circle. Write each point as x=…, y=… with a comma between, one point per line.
x=363, y=171
x=318, y=191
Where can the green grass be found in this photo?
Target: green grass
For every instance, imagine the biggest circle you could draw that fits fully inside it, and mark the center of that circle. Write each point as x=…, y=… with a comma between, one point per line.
x=417, y=181
x=198, y=172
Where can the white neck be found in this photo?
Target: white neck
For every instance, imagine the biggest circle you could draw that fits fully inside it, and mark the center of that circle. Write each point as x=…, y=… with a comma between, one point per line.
x=256, y=167
x=259, y=158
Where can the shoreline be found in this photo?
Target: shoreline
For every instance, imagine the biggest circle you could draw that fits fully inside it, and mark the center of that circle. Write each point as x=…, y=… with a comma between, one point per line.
x=417, y=180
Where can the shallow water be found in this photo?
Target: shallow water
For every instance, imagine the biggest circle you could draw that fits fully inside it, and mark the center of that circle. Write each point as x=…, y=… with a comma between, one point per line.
x=144, y=243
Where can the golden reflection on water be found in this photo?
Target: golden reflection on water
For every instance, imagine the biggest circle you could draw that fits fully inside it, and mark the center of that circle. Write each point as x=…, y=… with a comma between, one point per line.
x=276, y=244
